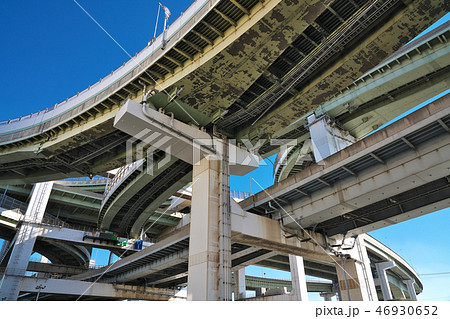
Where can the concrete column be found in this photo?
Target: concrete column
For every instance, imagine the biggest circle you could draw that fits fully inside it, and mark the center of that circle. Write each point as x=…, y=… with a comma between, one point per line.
x=260, y=292
x=411, y=290
x=24, y=243
x=326, y=138
x=336, y=288
x=240, y=288
x=298, y=278
x=384, y=283
x=357, y=281
x=203, y=269
x=327, y=295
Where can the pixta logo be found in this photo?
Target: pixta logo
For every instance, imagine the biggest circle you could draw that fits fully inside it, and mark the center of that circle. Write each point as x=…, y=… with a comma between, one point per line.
x=156, y=150
x=145, y=146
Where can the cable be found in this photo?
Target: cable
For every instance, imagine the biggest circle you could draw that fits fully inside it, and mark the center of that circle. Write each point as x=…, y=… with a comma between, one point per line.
x=157, y=17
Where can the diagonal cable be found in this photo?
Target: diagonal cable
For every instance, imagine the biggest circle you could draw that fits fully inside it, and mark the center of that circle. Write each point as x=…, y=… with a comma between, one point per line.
x=304, y=230
x=133, y=59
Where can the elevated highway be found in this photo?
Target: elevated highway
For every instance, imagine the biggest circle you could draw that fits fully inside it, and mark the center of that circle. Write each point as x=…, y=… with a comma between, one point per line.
x=61, y=242
x=136, y=197
x=165, y=265
x=395, y=174
x=70, y=204
x=414, y=74
x=254, y=282
x=225, y=55
x=246, y=70
x=58, y=252
x=61, y=289
x=77, y=203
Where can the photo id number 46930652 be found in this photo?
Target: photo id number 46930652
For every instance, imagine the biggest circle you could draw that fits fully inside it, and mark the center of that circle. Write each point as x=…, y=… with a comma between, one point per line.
x=407, y=310
x=352, y=312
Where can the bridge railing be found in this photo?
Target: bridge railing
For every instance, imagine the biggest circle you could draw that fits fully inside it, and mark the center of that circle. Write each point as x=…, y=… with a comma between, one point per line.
x=87, y=98
x=10, y=203
x=121, y=174
x=240, y=195
x=86, y=179
x=54, y=221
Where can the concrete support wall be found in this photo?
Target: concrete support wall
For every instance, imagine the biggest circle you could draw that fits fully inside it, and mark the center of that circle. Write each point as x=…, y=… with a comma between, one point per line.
x=203, y=271
x=384, y=282
x=24, y=243
x=327, y=295
x=298, y=278
x=356, y=282
x=239, y=288
x=411, y=290
x=327, y=139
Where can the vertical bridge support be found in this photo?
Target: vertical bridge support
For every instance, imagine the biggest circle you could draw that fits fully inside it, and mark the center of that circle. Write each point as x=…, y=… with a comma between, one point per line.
x=203, y=270
x=240, y=287
x=411, y=291
x=384, y=283
x=299, y=289
x=213, y=160
x=209, y=271
x=356, y=282
x=24, y=242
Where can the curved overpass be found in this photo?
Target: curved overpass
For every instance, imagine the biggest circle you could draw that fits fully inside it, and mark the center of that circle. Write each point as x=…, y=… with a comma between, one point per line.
x=165, y=265
x=57, y=252
x=228, y=56
x=412, y=75
x=63, y=253
x=134, y=198
x=378, y=252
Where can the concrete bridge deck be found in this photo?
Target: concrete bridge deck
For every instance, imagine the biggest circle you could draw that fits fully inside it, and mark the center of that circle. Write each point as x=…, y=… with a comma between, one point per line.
x=272, y=62
x=76, y=137
x=415, y=73
x=395, y=174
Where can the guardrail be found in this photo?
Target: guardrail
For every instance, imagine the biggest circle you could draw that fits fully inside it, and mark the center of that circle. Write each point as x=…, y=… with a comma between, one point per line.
x=86, y=178
x=12, y=203
x=78, y=103
x=240, y=195
x=54, y=221
x=121, y=174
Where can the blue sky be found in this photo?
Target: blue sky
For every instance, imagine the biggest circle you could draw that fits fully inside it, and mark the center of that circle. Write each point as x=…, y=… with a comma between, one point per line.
x=53, y=50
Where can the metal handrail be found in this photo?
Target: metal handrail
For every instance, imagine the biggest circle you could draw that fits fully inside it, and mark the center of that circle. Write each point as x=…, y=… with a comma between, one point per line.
x=240, y=194
x=85, y=178
x=10, y=203
x=121, y=174
x=53, y=221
